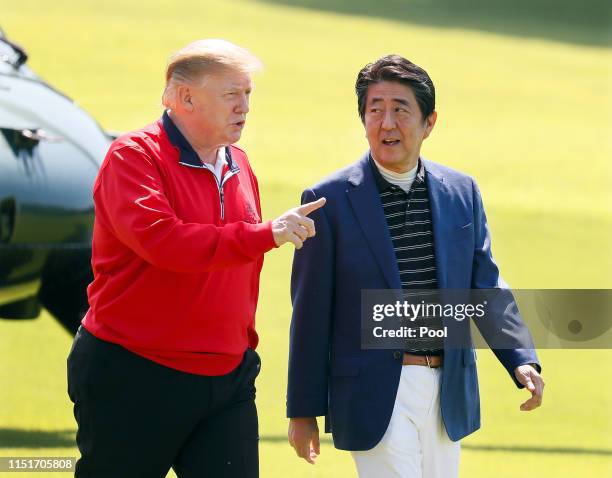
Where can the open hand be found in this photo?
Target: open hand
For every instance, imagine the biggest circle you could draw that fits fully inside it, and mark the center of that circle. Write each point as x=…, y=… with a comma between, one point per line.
x=528, y=376
x=304, y=438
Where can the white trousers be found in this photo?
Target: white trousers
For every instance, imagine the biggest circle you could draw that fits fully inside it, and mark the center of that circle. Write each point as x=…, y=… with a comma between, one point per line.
x=415, y=444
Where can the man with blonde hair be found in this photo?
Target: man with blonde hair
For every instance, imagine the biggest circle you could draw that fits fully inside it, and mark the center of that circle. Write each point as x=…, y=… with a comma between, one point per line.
x=162, y=370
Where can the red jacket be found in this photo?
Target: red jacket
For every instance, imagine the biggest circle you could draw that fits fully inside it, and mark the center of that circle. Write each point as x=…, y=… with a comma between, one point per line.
x=174, y=281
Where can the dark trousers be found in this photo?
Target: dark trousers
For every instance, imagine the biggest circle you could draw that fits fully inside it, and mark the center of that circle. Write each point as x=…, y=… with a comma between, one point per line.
x=138, y=419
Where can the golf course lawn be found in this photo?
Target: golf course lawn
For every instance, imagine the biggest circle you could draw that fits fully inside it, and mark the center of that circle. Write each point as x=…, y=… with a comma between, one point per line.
x=524, y=105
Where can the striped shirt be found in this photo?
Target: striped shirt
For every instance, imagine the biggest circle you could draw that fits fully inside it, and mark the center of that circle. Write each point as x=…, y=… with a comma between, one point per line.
x=409, y=221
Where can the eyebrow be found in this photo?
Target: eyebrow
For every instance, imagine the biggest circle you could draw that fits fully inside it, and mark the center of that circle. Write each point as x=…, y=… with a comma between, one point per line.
x=237, y=87
x=397, y=100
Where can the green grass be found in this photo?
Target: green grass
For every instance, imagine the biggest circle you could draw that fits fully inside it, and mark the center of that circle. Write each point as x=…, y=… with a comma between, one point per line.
x=527, y=115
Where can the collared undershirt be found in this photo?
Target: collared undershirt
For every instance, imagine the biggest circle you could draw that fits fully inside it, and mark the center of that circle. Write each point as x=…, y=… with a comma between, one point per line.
x=217, y=169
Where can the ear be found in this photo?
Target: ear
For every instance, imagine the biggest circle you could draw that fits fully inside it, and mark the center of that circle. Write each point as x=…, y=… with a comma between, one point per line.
x=430, y=122
x=184, y=98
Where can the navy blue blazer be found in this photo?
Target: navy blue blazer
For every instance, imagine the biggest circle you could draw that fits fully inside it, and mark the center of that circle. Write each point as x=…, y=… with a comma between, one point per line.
x=329, y=374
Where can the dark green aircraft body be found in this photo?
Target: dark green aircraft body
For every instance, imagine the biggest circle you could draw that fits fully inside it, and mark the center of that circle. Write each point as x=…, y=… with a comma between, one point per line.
x=50, y=152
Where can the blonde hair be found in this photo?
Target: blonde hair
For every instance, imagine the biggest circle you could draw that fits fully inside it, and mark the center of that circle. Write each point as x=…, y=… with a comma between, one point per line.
x=191, y=64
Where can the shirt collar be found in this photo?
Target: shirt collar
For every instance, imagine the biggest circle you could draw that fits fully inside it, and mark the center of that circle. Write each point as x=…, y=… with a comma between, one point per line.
x=382, y=184
x=188, y=155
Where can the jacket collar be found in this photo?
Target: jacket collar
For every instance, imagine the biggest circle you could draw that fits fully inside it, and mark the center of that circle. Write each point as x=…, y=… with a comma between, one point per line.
x=188, y=156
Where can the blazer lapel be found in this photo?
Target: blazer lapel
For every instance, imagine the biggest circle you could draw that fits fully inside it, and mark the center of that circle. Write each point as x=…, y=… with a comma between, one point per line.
x=438, y=198
x=365, y=201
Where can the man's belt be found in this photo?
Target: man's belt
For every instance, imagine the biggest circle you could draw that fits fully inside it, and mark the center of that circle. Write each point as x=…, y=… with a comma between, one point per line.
x=431, y=361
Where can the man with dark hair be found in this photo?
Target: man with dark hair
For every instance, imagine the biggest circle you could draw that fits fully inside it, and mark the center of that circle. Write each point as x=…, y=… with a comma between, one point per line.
x=393, y=220
x=395, y=68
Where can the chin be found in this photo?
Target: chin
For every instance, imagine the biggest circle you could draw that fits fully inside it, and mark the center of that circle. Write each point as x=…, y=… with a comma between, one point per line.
x=389, y=160
x=233, y=138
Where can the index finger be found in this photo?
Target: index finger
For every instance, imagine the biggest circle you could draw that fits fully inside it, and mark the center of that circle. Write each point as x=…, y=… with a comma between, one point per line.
x=303, y=451
x=539, y=387
x=307, y=208
x=316, y=445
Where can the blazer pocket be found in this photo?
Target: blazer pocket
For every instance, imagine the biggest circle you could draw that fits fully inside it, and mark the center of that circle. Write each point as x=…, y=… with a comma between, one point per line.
x=463, y=232
x=345, y=367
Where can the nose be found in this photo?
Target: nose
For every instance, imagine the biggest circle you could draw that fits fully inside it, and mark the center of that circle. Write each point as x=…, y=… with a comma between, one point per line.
x=243, y=105
x=388, y=122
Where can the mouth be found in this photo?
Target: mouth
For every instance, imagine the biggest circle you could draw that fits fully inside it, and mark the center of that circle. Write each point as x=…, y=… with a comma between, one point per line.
x=390, y=142
x=239, y=124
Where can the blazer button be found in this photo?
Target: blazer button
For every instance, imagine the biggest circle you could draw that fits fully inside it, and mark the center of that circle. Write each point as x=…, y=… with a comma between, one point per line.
x=397, y=355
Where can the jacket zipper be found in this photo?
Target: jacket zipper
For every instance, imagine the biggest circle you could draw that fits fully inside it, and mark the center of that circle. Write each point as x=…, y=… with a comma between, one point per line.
x=220, y=185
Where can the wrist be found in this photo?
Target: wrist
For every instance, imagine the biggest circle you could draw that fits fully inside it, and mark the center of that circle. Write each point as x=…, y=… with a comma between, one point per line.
x=304, y=419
